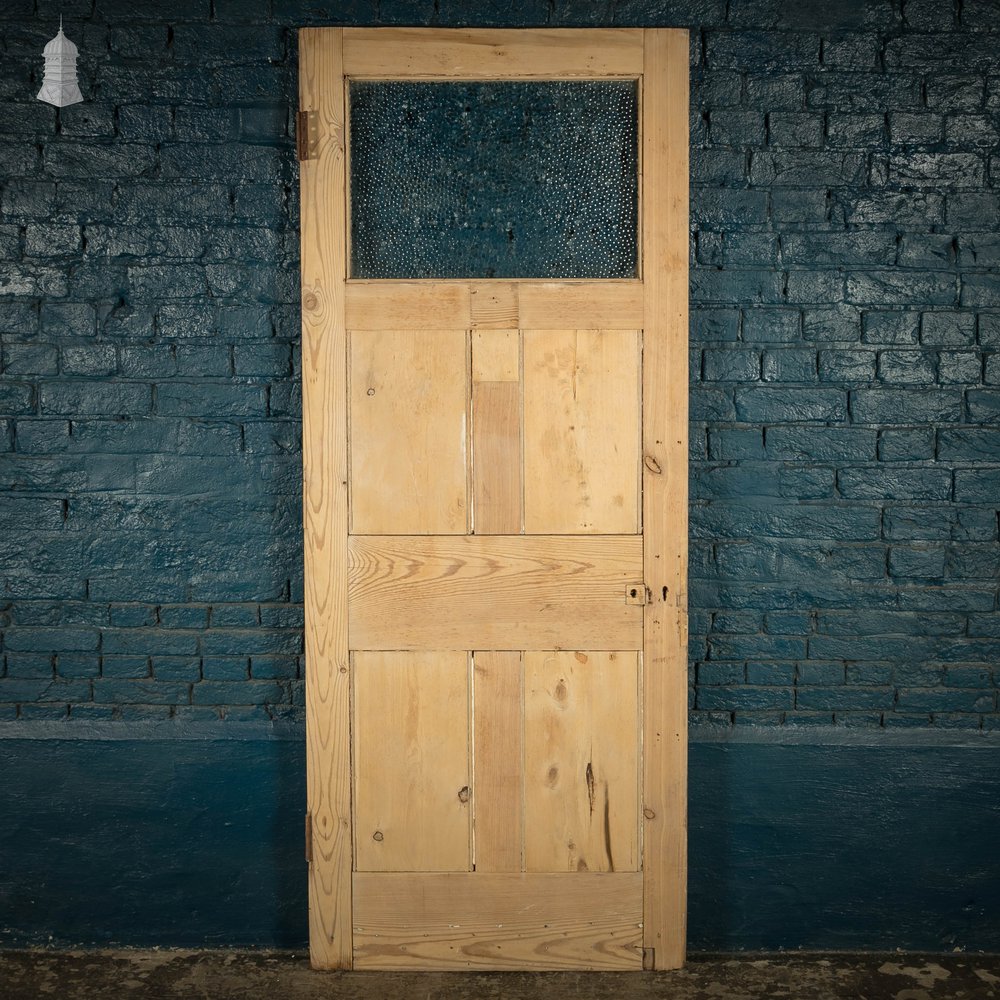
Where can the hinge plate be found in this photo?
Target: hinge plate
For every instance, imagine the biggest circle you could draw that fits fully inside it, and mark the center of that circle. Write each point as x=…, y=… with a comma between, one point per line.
x=306, y=135
x=309, y=838
x=636, y=593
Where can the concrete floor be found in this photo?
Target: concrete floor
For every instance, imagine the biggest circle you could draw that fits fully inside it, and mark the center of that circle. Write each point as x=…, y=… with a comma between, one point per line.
x=221, y=975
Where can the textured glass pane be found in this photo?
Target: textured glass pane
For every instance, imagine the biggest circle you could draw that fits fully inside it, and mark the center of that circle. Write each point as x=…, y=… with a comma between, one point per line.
x=493, y=179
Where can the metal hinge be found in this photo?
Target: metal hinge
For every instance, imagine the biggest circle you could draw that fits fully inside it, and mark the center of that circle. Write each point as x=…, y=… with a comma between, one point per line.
x=306, y=135
x=309, y=838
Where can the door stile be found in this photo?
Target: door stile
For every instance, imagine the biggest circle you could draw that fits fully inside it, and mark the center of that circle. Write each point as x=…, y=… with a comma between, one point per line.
x=325, y=507
x=665, y=517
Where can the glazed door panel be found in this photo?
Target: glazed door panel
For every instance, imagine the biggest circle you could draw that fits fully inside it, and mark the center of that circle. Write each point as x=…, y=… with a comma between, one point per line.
x=495, y=498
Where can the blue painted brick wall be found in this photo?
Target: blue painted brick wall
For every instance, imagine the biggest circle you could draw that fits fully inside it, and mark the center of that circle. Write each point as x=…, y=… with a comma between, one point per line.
x=845, y=334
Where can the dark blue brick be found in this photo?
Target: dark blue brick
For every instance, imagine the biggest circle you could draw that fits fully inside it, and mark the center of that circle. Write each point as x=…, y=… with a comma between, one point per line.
x=273, y=667
x=40, y=689
x=736, y=128
x=984, y=405
x=977, y=486
x=176, y=668
x=106, y=398
x=919, y=209
x=844, y=698
x=955, y=92
x=796, y=206
x=125, y=666
x=855, y=131
x=948, y=329
x=265, y=692
x=775, y=405
x=963, y=368
x=789, y=366
x=736, y=444
x=225, y=668
x=912, y=562
x=721, y=673
x=910, y=445
x=745, y=698
x=127, y=691
x=846, y=249
x=915, y=128
x=767, y=672
x=820, y=673
x=907, y=367
x=973, y=562
x=30, y=359
x=905, y=406
x=846, y=366
x=895, y=484
x=734, y=365
x=795, y=129
x=945, y=700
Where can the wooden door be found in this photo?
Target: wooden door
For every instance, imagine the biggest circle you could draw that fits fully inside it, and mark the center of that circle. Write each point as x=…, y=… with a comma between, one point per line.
x=496, y=550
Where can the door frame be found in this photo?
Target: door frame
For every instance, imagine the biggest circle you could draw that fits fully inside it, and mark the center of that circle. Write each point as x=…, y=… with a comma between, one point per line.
x=328, y=57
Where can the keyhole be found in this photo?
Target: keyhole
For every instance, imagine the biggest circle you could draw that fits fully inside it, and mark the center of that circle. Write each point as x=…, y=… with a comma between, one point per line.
x=633, y=592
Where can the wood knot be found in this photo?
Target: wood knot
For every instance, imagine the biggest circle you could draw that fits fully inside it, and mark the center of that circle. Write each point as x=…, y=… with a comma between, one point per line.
x=310, y=301
x=652, y=465
x=648, y=813
x=463, y=795
x=378, y=836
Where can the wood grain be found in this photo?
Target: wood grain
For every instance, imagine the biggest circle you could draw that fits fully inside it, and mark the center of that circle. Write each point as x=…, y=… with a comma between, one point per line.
x=494, y=592
x=407, y=305
x=581, y=305
x=581, y=431
x=665, y=482
x=581, y=761
x=498, y=921
x=408, y=431
x=497, y=755
x=493, y=305
x=324, y=459
x=496, y=449
x=434, y=305
x=491, y=53
x=412, y=761
x=496, y=355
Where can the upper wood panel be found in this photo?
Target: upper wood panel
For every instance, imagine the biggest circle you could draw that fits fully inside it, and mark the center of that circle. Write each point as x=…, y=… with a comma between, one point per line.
x=408, y=432
x=491, y=53
x=581, y=431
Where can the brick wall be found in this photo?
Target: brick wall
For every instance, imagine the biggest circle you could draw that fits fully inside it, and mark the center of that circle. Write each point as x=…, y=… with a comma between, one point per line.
x=845, y=357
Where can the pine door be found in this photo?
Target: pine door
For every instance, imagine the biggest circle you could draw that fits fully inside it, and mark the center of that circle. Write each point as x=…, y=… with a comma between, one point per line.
x=494, y=437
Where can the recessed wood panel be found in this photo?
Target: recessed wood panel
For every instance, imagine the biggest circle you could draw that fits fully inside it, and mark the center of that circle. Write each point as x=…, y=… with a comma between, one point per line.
x=581, y=431
x=581, y=757
x=498, y=921
x=411, y=761
x=498, y=760
x=494, y=592
x=408, y=431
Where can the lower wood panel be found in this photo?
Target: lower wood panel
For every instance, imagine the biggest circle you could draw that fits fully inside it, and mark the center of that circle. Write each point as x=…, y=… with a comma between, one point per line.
x=498, y=921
